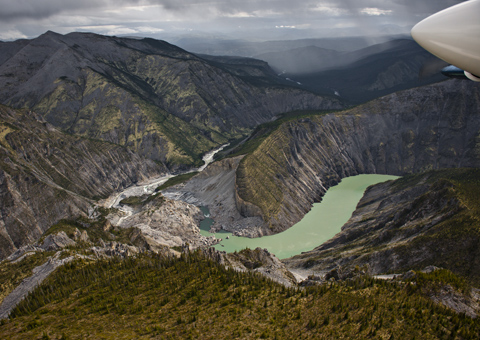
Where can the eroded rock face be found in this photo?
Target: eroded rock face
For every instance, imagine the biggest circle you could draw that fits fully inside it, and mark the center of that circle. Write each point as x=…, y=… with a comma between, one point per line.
x=407, y=132
x=47, y=175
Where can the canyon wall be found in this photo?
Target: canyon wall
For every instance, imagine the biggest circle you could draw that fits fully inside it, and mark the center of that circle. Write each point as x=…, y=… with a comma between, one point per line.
x=407, y=132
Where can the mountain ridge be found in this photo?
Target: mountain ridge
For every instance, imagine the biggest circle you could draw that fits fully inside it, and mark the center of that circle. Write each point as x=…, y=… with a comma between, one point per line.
x=142, y=94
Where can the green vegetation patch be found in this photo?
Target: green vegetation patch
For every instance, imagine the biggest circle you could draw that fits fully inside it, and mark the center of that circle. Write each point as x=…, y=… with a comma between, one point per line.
x=176, y=180
x=134, y=200
x=437, y=279
x=192, y=297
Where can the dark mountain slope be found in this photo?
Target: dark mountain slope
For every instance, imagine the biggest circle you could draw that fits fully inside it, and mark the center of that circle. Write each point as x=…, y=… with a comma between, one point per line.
x=161, y=101
x=47, y=175
x=9, y=49
x=372, y=72
x=407, y=132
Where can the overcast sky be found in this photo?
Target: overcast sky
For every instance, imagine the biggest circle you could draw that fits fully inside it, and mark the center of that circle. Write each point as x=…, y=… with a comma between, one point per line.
x=30, y=18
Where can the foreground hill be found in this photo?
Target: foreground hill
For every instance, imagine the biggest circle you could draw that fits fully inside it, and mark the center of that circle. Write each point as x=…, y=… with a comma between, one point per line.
x=158, y=297
x=155, y=98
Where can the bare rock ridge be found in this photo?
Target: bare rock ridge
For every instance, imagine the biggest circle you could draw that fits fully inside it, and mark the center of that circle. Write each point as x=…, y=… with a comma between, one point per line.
x=47, y=175
x=159, y=100
x=167, y=222
x=407, y=132
x=256, y=260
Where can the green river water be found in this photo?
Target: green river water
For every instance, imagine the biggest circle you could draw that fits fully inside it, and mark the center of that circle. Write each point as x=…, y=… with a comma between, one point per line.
x=319, y=225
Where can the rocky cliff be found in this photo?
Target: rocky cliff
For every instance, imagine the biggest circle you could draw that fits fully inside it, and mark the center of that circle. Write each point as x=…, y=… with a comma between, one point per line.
x=418, y=220
x=155, y=98
x=47, y=175
x=407, y=132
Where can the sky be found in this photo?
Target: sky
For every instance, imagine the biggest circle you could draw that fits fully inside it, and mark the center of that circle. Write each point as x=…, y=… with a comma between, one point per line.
x=259, y=18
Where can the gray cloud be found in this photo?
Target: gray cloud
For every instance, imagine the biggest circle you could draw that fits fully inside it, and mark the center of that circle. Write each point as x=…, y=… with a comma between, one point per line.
x=62, y=15
x=20, y=9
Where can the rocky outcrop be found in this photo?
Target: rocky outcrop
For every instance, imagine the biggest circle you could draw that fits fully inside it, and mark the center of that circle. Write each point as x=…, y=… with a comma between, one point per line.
x=47, y=175
x=257, y=260
x=414, y=222
x=407, y=132
x=57, y=241
x=166, y=222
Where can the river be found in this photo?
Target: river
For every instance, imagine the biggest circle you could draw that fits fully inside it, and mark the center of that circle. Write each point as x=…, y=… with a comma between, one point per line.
x=149, y=186
x=319, y=225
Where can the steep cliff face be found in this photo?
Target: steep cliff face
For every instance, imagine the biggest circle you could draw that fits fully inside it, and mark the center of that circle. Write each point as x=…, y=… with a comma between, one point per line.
x=407, y=132
x=419, y=220
x=161, y=101
x=46, y=175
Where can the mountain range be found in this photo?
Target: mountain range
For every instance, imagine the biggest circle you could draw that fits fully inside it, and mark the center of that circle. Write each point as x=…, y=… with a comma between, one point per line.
x=155, y=98
x=85, y=116
x=360, y=75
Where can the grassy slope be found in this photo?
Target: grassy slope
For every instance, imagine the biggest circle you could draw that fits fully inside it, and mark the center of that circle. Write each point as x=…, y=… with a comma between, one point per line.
x=191, y=297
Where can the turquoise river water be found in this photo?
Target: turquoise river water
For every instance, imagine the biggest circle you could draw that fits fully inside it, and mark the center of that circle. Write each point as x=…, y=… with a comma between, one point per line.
x=319, y=225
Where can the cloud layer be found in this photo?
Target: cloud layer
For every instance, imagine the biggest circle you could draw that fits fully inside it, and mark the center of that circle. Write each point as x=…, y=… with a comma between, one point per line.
x=30, y=18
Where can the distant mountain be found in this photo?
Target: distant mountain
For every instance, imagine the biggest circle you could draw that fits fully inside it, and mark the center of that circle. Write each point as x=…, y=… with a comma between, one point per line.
x=361, y=75
x=311, y=59
x=306, y=60
x=249, y=48
x=155, y=98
